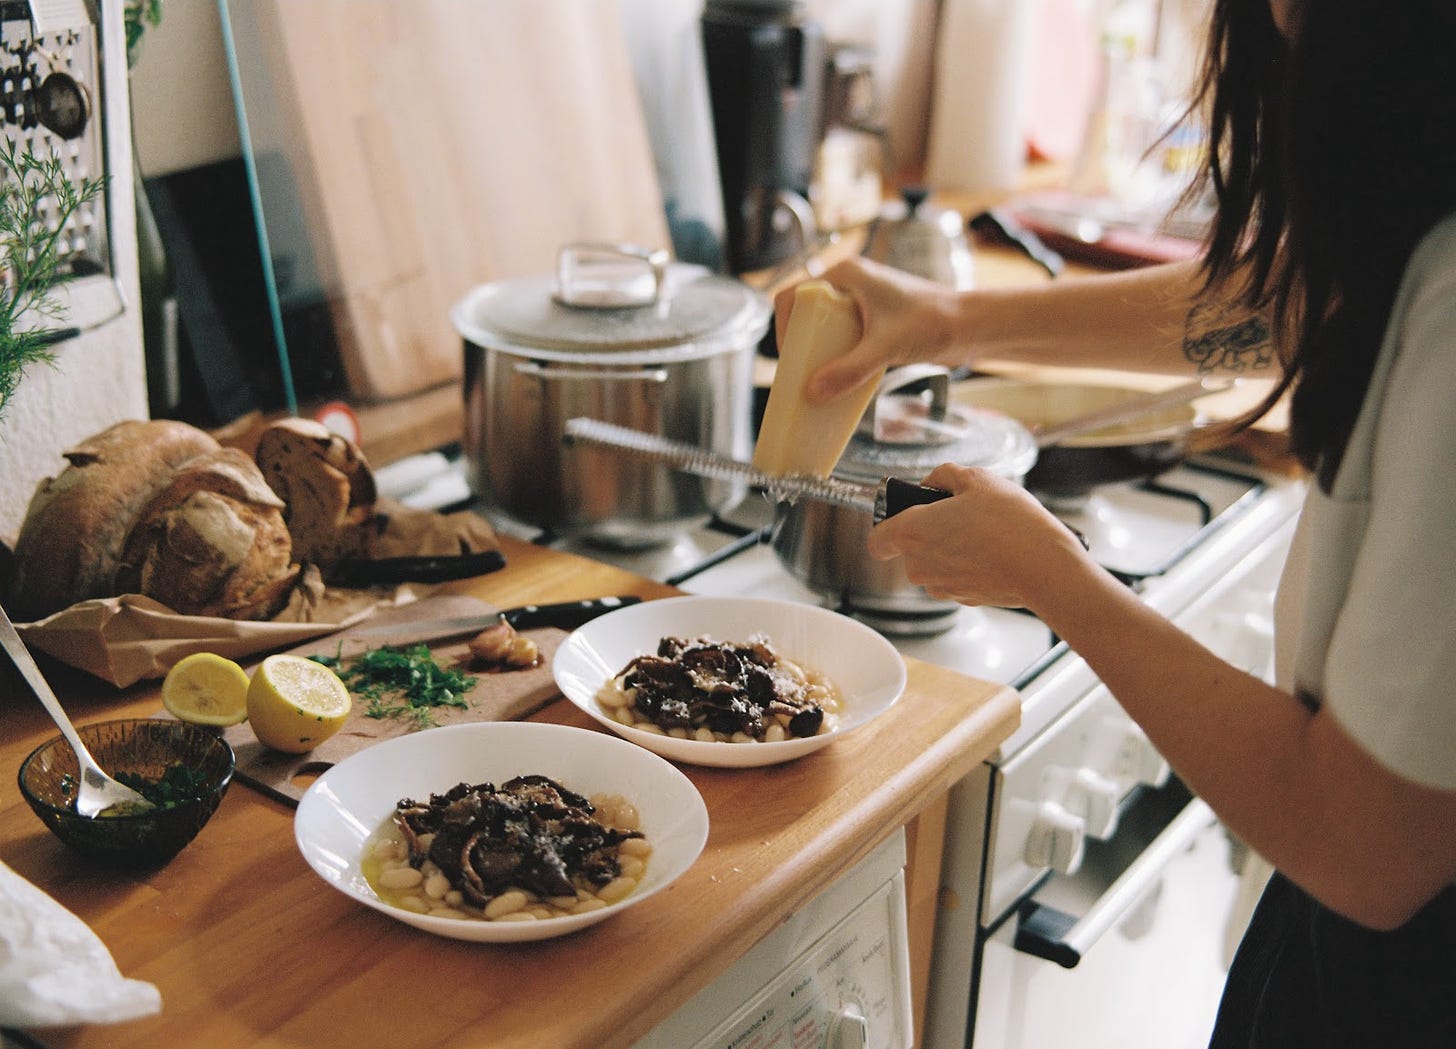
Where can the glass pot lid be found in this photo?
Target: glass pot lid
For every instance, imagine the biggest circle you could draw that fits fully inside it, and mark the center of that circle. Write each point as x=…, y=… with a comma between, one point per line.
x=618, y=300
x=908, y=434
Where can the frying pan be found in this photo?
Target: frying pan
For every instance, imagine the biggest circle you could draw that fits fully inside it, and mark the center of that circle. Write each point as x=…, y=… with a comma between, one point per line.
x=1068, y=467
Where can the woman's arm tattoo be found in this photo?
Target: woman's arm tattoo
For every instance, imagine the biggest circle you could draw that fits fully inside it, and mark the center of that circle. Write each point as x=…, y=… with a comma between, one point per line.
x=1226, y=338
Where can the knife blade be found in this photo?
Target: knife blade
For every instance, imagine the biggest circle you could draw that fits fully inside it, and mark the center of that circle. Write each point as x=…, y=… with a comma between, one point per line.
x=881, y=500
x=566, y=615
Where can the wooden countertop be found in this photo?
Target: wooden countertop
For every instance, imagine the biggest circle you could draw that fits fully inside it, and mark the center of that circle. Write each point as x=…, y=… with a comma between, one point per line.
x=250, y=948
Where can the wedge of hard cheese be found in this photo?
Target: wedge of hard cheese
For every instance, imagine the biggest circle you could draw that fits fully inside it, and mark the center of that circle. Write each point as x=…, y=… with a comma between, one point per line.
x=797, y=437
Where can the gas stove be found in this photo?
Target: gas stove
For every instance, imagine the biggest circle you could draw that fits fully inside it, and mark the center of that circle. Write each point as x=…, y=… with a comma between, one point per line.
x=1169, y=538
x=1153, y=535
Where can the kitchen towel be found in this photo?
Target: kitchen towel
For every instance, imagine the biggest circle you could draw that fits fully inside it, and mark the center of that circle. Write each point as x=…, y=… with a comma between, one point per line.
x=55, y=970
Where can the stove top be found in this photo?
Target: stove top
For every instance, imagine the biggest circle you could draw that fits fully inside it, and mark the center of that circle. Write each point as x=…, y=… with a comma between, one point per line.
x=1161, y=537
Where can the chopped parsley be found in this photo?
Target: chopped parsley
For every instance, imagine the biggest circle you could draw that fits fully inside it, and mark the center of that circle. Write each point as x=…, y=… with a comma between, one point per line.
x=402, y=682
x=179, y=785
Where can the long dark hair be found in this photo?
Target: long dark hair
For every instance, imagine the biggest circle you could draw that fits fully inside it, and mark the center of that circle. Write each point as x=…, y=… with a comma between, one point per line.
x=1330, y=156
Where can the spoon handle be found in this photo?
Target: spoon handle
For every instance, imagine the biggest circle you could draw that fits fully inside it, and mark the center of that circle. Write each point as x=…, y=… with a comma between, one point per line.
x=1132, y=408
x=25, y=663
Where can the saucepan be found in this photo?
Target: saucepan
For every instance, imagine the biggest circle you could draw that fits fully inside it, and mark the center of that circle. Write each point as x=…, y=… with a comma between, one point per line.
x=910, y=427
x=1090, y=434
x=1074, y=439
x=617, y=333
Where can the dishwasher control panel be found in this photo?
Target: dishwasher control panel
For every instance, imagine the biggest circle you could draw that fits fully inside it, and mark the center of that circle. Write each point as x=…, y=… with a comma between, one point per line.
x=836, y=975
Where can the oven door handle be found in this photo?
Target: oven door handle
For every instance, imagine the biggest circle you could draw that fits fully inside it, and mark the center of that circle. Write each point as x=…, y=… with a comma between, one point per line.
x=1046, y=932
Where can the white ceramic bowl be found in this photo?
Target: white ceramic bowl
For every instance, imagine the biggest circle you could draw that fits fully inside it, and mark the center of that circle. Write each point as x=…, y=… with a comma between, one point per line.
x=348, y=803
x=867, y=670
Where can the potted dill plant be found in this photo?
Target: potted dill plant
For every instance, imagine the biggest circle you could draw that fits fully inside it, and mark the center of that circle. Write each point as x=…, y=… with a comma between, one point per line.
x=36, y=202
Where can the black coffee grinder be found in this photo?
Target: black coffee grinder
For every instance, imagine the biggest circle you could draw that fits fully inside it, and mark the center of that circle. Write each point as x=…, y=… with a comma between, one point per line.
x=766, y=66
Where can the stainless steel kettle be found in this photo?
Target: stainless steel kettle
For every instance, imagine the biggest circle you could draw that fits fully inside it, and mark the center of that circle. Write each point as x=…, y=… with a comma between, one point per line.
x=915, y=236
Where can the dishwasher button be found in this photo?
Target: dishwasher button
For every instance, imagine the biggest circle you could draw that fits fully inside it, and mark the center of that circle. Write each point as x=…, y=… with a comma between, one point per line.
x=1056, y=840
x=847, y=1029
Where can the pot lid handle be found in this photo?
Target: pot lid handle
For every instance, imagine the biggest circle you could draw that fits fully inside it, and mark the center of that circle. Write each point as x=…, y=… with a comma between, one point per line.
x=882, y=423
x=609, y=276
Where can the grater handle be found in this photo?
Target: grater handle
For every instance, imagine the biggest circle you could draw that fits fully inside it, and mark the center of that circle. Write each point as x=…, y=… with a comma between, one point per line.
x=897, y=495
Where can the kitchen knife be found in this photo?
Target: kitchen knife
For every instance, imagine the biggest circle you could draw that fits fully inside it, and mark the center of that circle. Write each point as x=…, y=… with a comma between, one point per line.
x=566, y=615
x=385, y=571
x=881, y=500
x=1001, y=225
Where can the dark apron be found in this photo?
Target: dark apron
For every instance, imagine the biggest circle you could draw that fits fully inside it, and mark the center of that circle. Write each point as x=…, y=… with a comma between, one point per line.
x=1306, y=978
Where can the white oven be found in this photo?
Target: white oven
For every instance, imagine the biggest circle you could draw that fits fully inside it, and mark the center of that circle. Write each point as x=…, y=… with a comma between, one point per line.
x=1088, y=898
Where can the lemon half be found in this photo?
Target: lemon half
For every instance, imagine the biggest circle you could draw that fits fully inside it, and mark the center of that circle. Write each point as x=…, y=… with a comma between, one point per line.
x=205, y=688
x=294, y=704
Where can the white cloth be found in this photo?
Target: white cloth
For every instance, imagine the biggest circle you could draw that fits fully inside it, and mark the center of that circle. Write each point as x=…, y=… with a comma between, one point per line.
x=55, y=970
x=1374, y=564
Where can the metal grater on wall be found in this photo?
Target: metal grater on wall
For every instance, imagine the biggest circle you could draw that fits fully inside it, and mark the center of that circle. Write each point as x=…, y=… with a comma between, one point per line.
x=51, y=107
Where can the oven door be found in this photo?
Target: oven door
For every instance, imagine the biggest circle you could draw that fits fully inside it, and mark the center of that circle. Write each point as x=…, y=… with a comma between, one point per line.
x=1131, y=950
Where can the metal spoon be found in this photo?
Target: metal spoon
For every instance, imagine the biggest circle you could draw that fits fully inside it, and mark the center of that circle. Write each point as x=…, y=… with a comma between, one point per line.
x=1132, y=408
x=96, y=791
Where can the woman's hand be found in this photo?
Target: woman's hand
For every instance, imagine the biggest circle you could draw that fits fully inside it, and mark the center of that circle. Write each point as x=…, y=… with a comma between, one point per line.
x=907, y=319
x=991, y=543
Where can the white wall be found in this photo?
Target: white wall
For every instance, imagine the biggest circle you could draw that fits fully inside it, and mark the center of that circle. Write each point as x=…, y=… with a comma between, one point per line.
x=98, y=379
x=181, y=96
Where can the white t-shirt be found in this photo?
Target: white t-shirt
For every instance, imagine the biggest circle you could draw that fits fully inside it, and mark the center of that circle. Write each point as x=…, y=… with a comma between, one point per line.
x=1370, y=585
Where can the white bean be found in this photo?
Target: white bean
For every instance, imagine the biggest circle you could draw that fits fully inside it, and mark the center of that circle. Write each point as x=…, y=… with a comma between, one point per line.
x=507, y=902
x=437, y=886
x=616, y=889
x=635, y=847
x=400, y=878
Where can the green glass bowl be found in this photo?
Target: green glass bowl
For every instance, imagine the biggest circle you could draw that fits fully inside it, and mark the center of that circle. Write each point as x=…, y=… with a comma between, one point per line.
x=147, y=747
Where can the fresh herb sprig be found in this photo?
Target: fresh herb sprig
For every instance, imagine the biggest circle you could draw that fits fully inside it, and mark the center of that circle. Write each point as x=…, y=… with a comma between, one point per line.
x=37, y=201
x=402, y=682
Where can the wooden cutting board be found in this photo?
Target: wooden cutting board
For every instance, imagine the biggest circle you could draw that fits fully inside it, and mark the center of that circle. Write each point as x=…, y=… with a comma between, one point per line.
x=499, y=696
x=438, y=145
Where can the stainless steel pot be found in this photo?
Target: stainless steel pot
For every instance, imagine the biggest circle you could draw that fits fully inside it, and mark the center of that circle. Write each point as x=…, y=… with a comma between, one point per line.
x=902, y=435
x=618, y=334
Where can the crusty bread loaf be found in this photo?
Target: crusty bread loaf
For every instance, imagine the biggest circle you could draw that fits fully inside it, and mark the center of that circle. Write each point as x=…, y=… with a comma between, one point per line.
x=326, y=485
x=77, y=523
x=212, y=542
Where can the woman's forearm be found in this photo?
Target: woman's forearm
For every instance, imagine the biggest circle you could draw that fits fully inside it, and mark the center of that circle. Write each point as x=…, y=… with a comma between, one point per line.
x=1154, y=319
x=1286, y=780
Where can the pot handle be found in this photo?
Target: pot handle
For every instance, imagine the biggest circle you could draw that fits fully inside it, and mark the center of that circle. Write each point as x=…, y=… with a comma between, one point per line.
x=937, y=380
x=609, y=276
x=533, y=370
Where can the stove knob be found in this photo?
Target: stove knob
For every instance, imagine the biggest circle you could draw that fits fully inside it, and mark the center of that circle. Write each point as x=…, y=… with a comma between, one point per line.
x=1056, y=840
x=847, y=1029
x=1122, y=747
x=1144, y=763
x=1095, y=797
